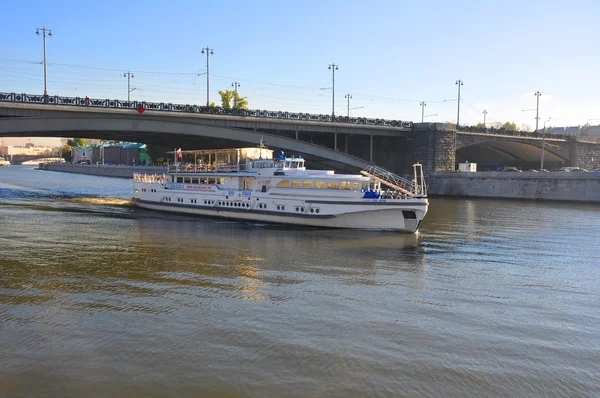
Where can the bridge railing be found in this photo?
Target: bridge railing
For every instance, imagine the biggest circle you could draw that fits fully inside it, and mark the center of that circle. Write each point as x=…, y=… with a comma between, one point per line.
x=516, y=133
x=188, y=108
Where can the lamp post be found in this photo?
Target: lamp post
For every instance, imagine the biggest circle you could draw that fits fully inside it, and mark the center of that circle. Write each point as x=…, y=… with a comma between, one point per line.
x=458, y=83
x=543, y=139
x=537, y=110
x=349, y=96
x=209, y=51
x=485, y=112
x=333, y=68
x=129, y=76
x=423, y=105
x=235, y=86
x=37, y=32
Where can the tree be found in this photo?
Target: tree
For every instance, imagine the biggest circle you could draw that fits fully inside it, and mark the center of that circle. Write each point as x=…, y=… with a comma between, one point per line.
x=66, y=152
x=526, y=127
x=231, y=100
x=480, y=125
x=509, y=126
x=76, y=142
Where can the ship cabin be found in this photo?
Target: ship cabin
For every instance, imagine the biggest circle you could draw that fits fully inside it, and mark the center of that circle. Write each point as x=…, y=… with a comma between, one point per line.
x=256, y=169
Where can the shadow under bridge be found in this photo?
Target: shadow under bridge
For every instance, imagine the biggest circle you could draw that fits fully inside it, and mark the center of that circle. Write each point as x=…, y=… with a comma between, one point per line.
x=175, y=134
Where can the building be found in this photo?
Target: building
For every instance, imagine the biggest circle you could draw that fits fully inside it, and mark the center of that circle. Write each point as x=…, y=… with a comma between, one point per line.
x=118, y=154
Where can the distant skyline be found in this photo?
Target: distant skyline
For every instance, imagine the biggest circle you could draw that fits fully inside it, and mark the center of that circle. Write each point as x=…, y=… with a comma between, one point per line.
x=391, y=56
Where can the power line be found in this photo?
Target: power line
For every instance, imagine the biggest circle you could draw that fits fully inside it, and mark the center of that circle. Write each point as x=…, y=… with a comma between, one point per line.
x=183, y=74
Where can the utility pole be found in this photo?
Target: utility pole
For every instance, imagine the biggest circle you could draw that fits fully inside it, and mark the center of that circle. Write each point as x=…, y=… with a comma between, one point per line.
x=458, y=83
x=235, y=86
x=485, y=112
x=209, y=51
x=423, y=105
x=349, y=98
x=37, y=32
x=537, y=110
x=333, y=68
x=129, y=76
x=543, y=139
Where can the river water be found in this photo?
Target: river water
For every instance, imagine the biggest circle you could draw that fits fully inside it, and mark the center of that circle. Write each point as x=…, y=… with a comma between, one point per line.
x=490, y=298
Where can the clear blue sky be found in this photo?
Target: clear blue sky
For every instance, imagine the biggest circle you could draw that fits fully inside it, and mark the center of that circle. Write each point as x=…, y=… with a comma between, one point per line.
x=391, y=54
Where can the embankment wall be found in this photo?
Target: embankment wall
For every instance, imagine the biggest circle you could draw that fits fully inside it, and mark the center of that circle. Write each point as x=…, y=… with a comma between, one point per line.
x=102, y=170
x=558, y=186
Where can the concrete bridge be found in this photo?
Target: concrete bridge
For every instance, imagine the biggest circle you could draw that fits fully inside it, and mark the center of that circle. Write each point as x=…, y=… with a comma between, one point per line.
x=20, y=159
x=342, y=143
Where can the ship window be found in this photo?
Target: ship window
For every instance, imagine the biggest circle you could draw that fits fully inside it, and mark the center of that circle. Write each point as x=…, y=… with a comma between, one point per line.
x=333, y=185
x=194, y=180
x=179, y=179
x=221, y=180
x=283, y=183
x=320, y=184
x=345, y=185
x=356, y=186
x=308, y=184
x=202, y=180
x=187, y=180
x=365, y=185
x=296, y=184
x=211, y=180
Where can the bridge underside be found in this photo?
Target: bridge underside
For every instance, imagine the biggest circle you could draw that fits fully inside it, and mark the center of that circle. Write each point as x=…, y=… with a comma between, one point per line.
x=162, y=136
x=490, y=155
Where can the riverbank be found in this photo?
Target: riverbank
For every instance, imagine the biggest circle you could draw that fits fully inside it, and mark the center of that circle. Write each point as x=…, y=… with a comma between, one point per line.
x=552, y=186
x=117, y=171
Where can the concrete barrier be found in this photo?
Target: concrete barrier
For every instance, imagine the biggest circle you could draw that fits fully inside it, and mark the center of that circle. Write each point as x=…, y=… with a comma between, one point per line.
x=559, y=186
x=102, y=170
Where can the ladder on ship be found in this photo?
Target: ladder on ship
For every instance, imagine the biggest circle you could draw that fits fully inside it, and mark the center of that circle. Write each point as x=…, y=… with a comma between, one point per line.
x=414, y=188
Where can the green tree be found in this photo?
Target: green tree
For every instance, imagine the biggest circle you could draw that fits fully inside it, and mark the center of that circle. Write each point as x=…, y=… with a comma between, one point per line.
x=509, y=126
x=76, y=142
x=480, y=125
x=66, y=152
x=232, y=100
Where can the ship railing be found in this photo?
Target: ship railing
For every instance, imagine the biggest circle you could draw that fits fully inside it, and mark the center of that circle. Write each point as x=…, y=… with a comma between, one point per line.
x=206, y=168
x=150, y=178
x=402, y=187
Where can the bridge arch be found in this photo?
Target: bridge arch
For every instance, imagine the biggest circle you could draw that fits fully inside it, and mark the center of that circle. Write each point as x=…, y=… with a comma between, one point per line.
x=507, y=151
x=173, y=134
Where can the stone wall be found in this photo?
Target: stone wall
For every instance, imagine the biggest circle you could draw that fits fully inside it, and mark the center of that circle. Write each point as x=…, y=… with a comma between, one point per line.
x=103, y=171
x=433, y=145
x=561, y=186
x=585, y=154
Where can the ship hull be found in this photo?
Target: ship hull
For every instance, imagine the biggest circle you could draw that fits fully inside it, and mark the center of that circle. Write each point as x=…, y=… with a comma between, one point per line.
x=401, y=217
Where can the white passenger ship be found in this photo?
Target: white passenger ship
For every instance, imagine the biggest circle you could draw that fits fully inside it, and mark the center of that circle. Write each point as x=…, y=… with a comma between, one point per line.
x=250, y=184
x=4, y=162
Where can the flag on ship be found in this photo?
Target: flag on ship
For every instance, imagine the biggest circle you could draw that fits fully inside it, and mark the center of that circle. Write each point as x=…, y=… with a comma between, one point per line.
x=179, y=153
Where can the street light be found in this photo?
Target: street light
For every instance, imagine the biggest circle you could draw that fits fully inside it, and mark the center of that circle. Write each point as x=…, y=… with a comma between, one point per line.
x=349, y=96
x=423, y=105
x=543, y=139
x=37, y=32
x=333, y=68
x=458, y=83
x=537, y=110
x=209, y=51
x=129, y=76
x=485, y=112
x=235, y=86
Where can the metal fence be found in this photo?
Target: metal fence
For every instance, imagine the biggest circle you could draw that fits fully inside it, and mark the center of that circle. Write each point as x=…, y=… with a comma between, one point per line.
x=187, y=108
